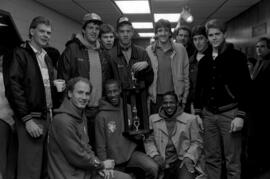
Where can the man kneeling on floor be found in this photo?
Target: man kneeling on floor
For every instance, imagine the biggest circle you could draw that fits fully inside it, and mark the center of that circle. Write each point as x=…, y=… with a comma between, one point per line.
x=70, y=155
x=110, y=142
x=175, y=143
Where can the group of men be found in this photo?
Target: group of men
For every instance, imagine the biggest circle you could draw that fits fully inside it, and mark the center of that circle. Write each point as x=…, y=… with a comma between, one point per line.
x=84, y=138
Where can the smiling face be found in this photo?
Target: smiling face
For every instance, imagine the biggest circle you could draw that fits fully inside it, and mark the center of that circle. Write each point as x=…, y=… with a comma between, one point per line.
x=169, y=104
x=80, y=95
x=216, y=37
x=40, y=35
x=91, y=32
x=113, y=92
x=163, y=34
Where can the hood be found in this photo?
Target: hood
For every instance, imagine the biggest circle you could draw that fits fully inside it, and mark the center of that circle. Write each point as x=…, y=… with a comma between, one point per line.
x=106, y=106
x=162, y=113
x=80, y=37
x=68, y=108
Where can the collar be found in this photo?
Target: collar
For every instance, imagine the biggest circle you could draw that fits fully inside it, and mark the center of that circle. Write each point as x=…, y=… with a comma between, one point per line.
x=42, y=52
x=125, y=48
x=134, y=51
x=158, y=46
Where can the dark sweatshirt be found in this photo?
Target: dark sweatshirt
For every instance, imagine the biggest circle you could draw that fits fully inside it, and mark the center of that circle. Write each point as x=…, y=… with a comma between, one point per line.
x=110, y=142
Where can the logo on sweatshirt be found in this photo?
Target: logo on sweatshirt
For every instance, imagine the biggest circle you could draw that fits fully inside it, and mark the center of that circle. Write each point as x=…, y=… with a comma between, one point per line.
x=111, y=126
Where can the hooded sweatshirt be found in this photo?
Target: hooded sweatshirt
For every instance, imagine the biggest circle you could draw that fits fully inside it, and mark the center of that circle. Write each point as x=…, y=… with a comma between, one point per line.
x=69, y=154
x=95, y=74
x=110, y=142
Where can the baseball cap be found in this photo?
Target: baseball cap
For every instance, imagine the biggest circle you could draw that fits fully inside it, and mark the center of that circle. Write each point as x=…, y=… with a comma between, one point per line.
x=122, y=20
x=92, y=17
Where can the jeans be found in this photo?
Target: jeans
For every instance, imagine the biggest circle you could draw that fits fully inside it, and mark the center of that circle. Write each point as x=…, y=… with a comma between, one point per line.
x=32, y=152
x=142, y=161
x=218, y=139
x=175, y=172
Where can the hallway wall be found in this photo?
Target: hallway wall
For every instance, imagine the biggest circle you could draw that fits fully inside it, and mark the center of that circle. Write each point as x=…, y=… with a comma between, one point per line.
x=23, y=11
x=245, y=29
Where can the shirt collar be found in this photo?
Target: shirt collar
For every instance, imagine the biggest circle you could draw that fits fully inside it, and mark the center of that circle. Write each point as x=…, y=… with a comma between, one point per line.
x=42, y=52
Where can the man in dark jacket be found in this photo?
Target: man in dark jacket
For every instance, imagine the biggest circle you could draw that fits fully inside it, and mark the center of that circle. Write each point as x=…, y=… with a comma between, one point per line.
x=83, y=57
x=128, y=58
x=29, y=85
x=221, y=97
x=70, y=155
x=258, y=151
x=110, y=142
x=201, y=44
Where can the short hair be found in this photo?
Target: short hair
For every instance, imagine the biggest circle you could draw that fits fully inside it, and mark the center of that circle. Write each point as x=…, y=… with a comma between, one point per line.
x=198, y=30
x=171, y=93
x=106, y=28
x=266, y=40
x=185, y=28
x=163, y=23
x=112, y=81
x=36, y=21
x=72, y=82
x=216, y=24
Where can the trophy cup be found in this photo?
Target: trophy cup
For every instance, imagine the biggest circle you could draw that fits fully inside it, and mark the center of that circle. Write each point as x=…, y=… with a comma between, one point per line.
x=135, y=108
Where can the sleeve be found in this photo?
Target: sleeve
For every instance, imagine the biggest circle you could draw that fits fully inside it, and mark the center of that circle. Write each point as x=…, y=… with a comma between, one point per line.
x=196, y=142
x=199, y=90
x=146, y=75
x=78, y=153
x=186, y=76
x=149, y=142
x=16, y=93
x=64, y=67
x=100, y=137
x=243, y=86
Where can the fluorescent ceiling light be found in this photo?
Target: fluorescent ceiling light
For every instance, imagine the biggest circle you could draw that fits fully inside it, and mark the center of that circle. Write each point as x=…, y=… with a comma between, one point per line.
x=134, y=7
x=142, y=25
x=146, y=34
x=170, y=17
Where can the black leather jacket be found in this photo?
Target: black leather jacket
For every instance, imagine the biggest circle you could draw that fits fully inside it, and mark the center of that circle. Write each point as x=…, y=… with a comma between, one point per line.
x=24, y=84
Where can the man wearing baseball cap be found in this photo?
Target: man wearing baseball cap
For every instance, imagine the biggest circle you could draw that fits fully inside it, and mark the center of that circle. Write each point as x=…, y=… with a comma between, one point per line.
x=83, y=57
x=127, y=57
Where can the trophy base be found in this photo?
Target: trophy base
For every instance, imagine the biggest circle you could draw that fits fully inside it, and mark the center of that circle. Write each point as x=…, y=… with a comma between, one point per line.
x=139, y=132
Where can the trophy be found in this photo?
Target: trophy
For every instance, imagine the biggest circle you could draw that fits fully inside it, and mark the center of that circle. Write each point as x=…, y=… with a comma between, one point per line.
x=135, y=108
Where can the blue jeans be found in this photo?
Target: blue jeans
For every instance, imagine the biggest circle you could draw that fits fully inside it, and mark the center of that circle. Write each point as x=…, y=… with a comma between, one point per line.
x=218, y=139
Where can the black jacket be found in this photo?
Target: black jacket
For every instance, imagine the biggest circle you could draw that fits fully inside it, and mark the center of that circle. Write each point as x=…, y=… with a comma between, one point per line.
x=122, y=69
x=223, y=83
x=74, y=62
x=24, y=84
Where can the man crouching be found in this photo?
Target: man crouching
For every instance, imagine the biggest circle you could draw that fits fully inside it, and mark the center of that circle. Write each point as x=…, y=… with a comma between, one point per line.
x=175, y=143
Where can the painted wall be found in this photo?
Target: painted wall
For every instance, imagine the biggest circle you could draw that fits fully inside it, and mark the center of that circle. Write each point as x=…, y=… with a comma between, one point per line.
x=245, y=29
x=23, y=11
